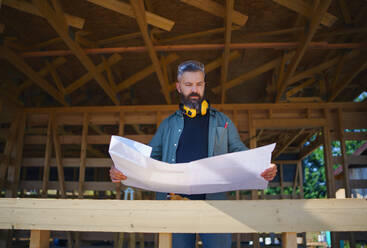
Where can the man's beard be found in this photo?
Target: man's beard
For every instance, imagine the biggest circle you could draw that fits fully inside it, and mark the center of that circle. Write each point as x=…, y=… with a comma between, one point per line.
x=191, y=103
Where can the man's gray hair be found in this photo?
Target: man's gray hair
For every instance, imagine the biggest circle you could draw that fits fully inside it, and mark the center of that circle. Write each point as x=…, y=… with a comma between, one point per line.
x=190, y=65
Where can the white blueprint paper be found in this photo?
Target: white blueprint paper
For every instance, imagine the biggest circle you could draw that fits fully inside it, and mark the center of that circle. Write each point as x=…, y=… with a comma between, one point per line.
x=232, y=171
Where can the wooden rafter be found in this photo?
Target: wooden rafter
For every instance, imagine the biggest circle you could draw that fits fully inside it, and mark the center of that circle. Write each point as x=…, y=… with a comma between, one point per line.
x=250, y=74
x=341, y=86
x=300, y=87
x=143, y=74
x=126, y=9
x=43, y=72
x=305, y=9
x=227, y=42
x=2, y=27
x=57, y=21
x=138, y=7
x=315, y=22
x=217, y=10
x=22, y=66
x=55, y=77
x=345, y=11
x=25, y=6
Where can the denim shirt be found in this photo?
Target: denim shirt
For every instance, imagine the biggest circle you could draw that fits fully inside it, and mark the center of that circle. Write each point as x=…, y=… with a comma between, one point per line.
x=223, y=138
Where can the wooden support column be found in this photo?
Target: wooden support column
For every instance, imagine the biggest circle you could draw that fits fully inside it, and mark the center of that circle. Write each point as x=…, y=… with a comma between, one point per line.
x=119, y=237
x=165, y=240
x=254, y=195
x=48, y=155
x=57, y=147
x=300, y=178
x=19, y=155
x=344, y=154
x=8, y=150
x=83, y=154
x=289, y=240
x=39, y=239
x=328, y=157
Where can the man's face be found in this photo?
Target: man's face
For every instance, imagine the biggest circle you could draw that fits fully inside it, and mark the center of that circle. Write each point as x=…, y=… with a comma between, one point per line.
x=191, y=88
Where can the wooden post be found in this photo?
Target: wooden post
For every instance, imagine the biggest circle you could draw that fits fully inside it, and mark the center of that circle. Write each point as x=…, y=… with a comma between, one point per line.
x=83, y=155
x=48, y=155
x=289, y=240
x=165, y=240
x=254, y=196
x=39, y=239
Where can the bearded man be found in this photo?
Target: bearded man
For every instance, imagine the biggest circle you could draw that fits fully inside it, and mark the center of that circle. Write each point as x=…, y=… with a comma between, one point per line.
x=195, y=131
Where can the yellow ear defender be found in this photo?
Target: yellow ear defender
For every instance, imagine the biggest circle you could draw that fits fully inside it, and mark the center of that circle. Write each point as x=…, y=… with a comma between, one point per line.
x=190, y=112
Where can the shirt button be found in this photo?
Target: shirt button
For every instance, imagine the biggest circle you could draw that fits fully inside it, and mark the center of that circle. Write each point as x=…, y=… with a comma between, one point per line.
x=179, y=130
x=175, y=144
x=173, y=160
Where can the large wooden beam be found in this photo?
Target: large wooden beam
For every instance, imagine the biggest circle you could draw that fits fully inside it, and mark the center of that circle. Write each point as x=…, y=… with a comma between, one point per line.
x=27, y=7
x=217, y=10
x=305, y=9
x=57, y=21
x=227, y=42
x=315, y=22
x=178, y=216
x=126, y=9
x=139, y=10
x=21, y=65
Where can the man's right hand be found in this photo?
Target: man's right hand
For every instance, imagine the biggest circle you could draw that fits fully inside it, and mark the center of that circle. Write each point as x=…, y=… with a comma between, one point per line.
x=116, y=176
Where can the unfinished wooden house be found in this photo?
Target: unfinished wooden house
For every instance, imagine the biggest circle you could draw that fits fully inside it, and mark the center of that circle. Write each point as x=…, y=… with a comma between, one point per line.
x=75, y=72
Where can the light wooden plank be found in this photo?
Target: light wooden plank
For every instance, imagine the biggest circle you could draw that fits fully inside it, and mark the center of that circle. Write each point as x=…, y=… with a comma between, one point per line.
x=57, y=21
x=178, y=216
x=126, y=9
x=315, y=21
x=39, y=239
x=27, y=7
x=113, y=59
x=305, y=9
x=140, y=14
x=217, y=10
x=21, y=65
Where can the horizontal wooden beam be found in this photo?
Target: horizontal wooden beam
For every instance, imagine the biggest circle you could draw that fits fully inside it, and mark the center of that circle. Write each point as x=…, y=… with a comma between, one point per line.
x=198, y=47
x=68, y=162
x=178, y=216
x=126, y=9
x=288, y=123
x=27, y=7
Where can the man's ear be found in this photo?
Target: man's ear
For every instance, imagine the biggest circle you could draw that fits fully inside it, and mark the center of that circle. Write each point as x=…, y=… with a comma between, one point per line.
x=178, y=88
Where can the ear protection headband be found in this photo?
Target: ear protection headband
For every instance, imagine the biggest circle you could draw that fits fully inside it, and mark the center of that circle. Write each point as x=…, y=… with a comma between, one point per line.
x=190, y=112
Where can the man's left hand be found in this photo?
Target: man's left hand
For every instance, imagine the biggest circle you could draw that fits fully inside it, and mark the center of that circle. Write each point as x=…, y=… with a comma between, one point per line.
x=269, y=173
